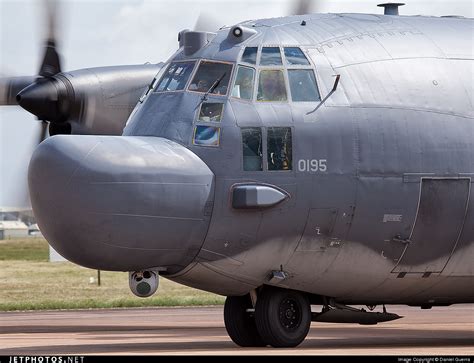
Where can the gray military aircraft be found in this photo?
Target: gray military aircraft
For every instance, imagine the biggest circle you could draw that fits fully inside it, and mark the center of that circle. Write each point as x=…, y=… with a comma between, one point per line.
x=321, y=159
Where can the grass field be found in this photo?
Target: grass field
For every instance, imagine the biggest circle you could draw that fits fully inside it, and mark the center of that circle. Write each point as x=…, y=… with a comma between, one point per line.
x=29, y=282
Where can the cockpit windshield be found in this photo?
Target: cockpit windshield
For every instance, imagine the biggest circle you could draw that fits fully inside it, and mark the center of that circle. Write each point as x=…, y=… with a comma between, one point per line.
x=212, y=77
x=175, y=77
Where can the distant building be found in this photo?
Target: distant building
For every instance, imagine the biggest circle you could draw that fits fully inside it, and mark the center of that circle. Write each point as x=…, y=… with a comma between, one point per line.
x=34, y=231
x=13, y=229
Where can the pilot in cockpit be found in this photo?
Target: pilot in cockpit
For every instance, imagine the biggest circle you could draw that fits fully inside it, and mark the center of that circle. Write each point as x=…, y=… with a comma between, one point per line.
x=212, y=77
x=271, y=86
x=243, y=87
x=202, y=85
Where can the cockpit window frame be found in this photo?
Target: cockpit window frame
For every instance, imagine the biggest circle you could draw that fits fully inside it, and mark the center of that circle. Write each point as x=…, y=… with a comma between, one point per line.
x=285, y=68
x=264, y=133
x=242, y=52
x=311, y=66
x=262, y=149
x=285, y=60
x=196, y=68
x=269, y=46
x=207, y=125
x=166, y=67
x=285, y=78
x=315, y=79
x=197, y=115
x=268, y=130
x=254, y=86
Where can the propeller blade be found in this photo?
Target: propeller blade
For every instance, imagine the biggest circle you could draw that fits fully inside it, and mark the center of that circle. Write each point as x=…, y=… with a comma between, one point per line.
x=51, y=63
x=207, y=23
x=51, y=8
x=302, y=7
x=10, y=86
x=44, y=95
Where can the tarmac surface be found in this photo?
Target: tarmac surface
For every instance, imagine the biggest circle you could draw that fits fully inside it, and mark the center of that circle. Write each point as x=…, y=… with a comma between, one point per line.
x=200, y=330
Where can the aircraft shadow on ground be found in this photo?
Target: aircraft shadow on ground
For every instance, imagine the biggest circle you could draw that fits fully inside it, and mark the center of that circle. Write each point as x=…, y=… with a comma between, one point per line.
x=323, y=339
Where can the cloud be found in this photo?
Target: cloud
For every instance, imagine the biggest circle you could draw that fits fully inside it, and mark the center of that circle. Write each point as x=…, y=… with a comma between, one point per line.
x=150, y=28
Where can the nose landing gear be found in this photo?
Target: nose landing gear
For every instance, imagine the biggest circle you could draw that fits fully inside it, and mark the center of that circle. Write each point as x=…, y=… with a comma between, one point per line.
x=281, y=318
x=239, y=318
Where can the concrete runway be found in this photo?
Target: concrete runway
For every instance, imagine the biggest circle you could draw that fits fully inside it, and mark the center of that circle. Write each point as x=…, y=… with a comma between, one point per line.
x=200, y=330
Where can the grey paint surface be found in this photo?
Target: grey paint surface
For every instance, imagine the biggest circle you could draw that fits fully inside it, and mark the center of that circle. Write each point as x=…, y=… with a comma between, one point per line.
x=106, y=96
x=84, y=199
x=93, y=101
x=402, y=114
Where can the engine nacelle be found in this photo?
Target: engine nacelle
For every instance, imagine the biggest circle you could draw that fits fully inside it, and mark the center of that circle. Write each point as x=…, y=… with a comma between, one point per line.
x=143, y=283
x=92, y=101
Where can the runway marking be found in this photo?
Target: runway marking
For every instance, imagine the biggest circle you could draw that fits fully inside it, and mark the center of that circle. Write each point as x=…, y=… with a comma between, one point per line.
x=199, y=330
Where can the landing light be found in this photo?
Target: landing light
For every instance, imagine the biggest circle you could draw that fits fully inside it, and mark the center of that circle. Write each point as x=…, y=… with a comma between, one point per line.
x=237, y=32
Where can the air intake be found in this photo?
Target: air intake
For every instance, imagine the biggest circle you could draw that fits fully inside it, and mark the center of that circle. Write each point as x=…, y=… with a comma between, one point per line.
x=390, y=8
x=193, y=41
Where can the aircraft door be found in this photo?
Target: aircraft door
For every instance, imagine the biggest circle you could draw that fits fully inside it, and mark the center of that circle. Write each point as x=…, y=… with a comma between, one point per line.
x=442, y=210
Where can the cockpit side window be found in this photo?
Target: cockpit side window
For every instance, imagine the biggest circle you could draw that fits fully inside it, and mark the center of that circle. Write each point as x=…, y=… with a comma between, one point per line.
x=206, y=135
x=212, y=76
x=279, y=148
x=244, y=81
x=250, y=55
x=252, y=148
x=294, y=56
x=271, y=86
x=271, y=56
x=211, y=112
x=303, y=85
x=175, y=77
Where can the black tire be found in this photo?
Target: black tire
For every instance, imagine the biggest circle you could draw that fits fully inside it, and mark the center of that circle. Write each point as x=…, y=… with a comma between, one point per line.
x=239, y=323
x=283, y=317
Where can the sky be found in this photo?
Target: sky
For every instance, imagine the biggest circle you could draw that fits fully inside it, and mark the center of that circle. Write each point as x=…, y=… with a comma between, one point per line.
x=96, y=33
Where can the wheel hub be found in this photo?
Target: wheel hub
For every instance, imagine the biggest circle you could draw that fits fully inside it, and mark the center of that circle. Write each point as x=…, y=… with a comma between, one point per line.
x=290, y=314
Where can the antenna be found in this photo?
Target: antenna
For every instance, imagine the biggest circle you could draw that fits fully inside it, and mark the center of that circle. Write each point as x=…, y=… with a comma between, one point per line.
x=390, y=8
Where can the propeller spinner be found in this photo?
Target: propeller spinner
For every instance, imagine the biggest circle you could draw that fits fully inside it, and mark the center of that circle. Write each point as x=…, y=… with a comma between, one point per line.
x=46, y=96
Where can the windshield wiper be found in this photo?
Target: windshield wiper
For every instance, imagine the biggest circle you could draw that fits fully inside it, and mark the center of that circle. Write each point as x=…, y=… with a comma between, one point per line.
x=213, y=87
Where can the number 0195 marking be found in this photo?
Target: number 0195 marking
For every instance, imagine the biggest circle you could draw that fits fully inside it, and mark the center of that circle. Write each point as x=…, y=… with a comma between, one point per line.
x=312, y=165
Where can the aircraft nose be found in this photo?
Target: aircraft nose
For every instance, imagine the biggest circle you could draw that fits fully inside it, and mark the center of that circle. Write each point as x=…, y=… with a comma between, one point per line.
x=121, y=203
